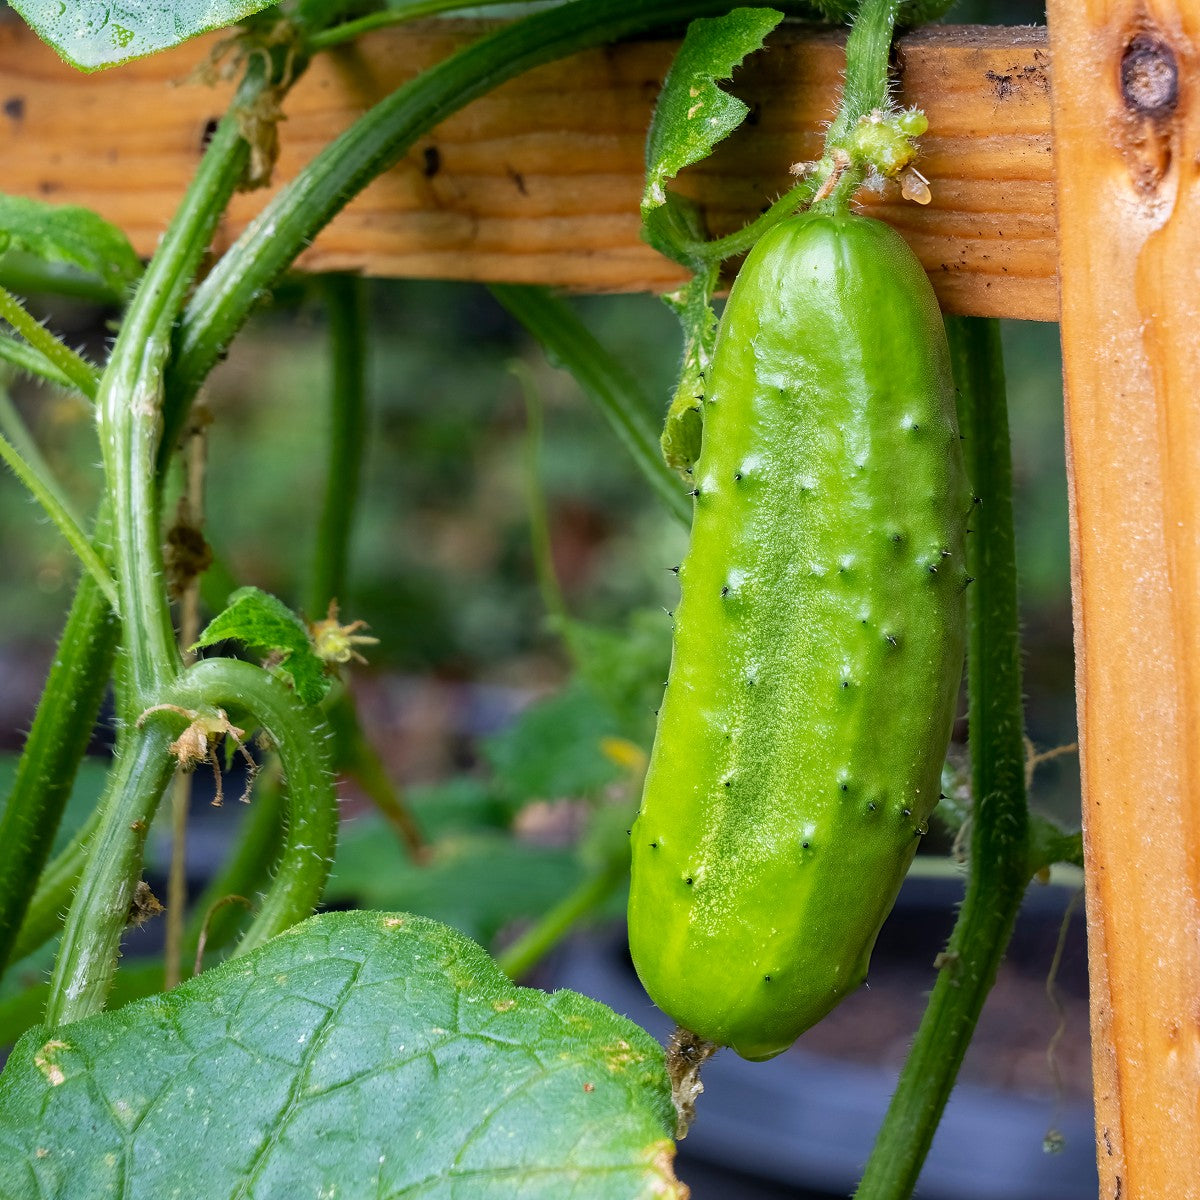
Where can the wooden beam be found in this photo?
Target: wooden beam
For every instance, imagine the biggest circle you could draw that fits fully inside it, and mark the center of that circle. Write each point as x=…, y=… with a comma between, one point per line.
x=1127, y=126
x=540, y=180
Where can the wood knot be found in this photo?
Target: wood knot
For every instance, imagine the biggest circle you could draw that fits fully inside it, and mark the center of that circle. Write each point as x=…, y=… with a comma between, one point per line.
x=1149, y=77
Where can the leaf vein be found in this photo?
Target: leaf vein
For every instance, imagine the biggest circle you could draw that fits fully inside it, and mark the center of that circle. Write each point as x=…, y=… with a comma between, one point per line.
x=295, y=1097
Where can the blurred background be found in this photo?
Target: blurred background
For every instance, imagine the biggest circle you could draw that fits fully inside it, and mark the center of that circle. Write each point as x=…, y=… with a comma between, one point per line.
x=512, y=744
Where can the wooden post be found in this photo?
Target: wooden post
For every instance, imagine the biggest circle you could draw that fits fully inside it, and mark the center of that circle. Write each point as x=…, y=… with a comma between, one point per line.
x=1126, y=116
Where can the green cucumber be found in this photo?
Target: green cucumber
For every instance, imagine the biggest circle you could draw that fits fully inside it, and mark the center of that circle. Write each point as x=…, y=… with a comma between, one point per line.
x=818, y=642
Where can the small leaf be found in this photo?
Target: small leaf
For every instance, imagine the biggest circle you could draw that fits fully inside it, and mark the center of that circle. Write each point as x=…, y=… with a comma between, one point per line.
x=554, y=750
x=91, y=34
x=67, y=235
x=625, y=667
x=461, y=803
x=692, y=113
x=358, y=1054
x=265, y=624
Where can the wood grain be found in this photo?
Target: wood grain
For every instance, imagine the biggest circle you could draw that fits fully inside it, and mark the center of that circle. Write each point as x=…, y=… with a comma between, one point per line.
x=1127, y=126
x=540, y=180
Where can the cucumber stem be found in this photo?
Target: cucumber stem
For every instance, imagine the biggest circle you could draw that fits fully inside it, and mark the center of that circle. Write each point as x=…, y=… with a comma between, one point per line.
x=251, y=693
x=60, y=734
x=868, y=58
x=686, y=1054
x=129, y=409
x=61, y=357
x=79, y=676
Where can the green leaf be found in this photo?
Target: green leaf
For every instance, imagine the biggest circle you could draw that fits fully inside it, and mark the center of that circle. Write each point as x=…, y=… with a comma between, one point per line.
x=355, y=1055
x=65, y=235
x=91, y=34
x=693, y=114
x=476, y=882
x=462, y=803
x=1049, y=844
x=265, y=624
x=625, y=668
x=554, y=749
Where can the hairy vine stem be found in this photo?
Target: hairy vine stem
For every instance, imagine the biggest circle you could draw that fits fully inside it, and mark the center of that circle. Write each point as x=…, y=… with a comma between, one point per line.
x=129, y=411
x=87, y=955
x=82, y=665
x=129, y=401
x=211, y=924
x=249, y=693
x=54, y=504
x=61, y=730
x=60, y=357
x=31, y=361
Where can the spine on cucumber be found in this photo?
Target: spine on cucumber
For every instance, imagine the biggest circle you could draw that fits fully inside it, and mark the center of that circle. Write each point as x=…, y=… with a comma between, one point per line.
x=818, y=640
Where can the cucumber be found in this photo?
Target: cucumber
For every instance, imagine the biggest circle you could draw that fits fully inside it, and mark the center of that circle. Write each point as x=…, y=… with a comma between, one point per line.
x=818, y=643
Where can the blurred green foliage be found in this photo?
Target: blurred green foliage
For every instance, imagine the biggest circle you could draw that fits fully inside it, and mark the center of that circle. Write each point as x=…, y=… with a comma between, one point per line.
x=441, y=563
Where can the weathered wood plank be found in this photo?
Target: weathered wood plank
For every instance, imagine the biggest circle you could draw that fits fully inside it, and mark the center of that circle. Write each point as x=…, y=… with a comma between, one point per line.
x=1127, y=120
x=540, y=180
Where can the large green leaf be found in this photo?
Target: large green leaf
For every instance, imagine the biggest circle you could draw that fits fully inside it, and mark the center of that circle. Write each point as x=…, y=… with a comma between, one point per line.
x=356, y=1055
x=66, y=235
x=101, y=33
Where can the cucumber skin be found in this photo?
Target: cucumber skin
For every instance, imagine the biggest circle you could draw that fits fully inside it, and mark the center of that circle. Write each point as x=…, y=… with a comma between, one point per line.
x=818, y=643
